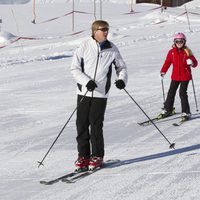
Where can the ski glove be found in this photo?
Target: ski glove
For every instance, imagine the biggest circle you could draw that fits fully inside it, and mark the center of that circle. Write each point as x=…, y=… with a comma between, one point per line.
x=120, y=84
x=189, y=62
x=162, y=74
x=91, y=85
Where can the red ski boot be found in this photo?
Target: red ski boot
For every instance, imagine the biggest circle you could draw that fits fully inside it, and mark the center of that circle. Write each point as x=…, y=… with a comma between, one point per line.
x=95, y=162
x=81, y=164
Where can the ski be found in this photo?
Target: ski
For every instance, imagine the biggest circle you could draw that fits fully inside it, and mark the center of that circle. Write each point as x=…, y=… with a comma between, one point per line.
x=75, y=176
x=156, y=119
x=107, y=164
x=180, y=122
x=55, y=180
x=148, y=122
x=80, y=176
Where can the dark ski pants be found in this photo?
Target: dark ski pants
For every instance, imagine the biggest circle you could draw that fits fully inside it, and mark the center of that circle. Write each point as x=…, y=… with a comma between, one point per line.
x=169, y=103
x=89, y=124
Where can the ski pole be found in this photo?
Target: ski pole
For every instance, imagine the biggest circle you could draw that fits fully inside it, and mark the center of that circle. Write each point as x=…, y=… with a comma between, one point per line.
x=195, y=95
x=41, y=162
x=172, y=145
x=163, y=91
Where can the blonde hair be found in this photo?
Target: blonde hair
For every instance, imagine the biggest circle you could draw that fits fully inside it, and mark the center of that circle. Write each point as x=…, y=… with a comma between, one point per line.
x=96, y=24
x=188, y=51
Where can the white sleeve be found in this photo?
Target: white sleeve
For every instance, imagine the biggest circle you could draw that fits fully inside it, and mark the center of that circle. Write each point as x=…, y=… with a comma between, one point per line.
x=120, y=67
x=77, y=68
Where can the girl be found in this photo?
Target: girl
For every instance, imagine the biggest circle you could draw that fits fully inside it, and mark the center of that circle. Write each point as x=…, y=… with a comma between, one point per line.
x=182, y=59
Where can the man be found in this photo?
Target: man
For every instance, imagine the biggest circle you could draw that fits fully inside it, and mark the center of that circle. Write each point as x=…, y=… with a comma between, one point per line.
x=92, y=68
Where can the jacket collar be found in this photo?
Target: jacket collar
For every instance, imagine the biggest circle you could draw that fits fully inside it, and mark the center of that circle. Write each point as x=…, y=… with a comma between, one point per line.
x=104, y=45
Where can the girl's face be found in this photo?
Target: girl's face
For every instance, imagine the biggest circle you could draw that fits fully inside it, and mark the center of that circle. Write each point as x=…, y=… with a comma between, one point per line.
x=180, y=43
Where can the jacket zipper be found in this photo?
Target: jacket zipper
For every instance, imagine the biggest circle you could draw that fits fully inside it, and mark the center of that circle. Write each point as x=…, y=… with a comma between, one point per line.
x=95, y=73
x=179, y=64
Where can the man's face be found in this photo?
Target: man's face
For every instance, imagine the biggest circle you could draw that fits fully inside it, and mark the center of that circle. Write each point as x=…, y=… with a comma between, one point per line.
x=101, y=34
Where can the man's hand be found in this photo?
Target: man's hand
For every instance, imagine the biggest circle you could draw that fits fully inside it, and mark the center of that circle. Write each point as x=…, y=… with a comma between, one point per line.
x=91, y=85
x=120, y=84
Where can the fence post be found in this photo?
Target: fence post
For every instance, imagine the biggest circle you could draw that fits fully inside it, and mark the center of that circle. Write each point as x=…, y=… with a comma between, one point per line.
x=0, y=24
x=187, y=18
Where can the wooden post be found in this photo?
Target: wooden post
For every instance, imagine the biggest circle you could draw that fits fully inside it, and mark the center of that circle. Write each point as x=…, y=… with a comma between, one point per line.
x=95, y=9
x=131, y=6
x=0, y=24
x=73, y=16
x=34, y=13
x=161, y=4
x=100, y=9
x=187, y=18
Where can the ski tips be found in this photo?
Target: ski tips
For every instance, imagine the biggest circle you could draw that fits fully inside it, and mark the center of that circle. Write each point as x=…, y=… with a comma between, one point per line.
x=172, y=146
x=40, y=163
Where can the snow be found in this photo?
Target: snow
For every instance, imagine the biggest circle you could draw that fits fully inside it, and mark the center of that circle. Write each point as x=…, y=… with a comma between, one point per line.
x=14, y=1
x=38, y=95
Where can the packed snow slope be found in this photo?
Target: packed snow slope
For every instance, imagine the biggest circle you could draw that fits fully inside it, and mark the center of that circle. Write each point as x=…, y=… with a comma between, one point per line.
x=14, y=1
x=38, y=95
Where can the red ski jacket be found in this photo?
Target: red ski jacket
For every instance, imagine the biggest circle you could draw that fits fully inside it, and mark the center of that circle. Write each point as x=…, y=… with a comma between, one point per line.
x=177, y=57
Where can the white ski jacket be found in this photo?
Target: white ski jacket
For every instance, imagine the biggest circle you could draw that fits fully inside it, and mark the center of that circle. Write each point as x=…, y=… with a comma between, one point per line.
x=93, y=61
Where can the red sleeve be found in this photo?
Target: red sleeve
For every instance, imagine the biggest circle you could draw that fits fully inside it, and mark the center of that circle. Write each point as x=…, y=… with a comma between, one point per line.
x=167, y=63
x=195, y=62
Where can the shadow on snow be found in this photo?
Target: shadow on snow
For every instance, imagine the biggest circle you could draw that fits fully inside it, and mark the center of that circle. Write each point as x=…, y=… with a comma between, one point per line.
x=156, y=156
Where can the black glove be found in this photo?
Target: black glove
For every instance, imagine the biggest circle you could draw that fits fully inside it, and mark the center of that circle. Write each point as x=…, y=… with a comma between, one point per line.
x=91, y=85
x=120, y=84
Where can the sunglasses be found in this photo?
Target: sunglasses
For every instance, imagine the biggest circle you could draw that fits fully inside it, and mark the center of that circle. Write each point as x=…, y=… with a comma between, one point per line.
x=103, y=29
x=179, y=41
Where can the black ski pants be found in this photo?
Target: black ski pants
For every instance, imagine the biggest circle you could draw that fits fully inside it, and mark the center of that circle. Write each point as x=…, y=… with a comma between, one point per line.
x=169, y=103
x=89, y=124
